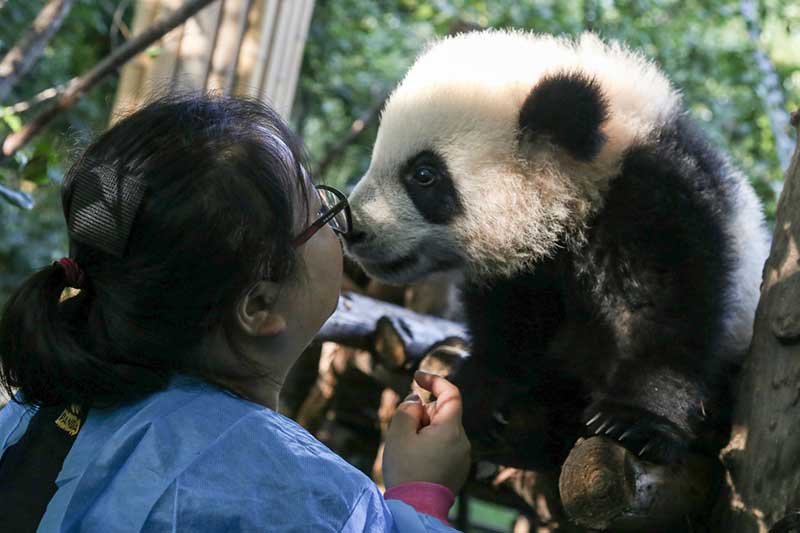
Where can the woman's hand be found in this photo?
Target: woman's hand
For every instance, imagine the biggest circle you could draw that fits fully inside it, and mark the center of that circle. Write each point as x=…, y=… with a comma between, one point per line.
x=427, y=442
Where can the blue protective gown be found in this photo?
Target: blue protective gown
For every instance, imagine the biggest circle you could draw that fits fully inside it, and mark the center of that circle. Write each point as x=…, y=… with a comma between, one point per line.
x=197, y=458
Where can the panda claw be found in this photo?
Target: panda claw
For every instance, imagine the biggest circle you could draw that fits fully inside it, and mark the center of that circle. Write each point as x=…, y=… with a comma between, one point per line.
x=646, y=448
x=644, y=434
x=498, y=416
x=594, y=418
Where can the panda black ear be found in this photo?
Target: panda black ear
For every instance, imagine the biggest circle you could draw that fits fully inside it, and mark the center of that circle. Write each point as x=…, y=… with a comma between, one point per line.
x=569, y=108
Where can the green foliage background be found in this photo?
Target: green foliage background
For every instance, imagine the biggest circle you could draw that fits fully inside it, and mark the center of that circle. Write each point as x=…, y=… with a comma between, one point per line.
x=358, y=49
x=32, y=239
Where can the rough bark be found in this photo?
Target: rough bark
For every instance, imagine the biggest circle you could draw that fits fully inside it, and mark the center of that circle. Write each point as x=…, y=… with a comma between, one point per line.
x=764, y=456
x=24, y=54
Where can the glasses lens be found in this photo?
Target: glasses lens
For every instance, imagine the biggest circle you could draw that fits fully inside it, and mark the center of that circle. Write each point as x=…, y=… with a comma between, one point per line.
x=340, y=222
x=329, y=200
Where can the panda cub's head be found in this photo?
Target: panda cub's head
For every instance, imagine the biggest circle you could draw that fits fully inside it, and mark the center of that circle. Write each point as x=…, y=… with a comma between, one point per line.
x=494, y=150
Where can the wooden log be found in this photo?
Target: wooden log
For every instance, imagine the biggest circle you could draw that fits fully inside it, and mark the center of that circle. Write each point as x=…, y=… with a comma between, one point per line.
x=604, y=486
x=386, y=410
x=332, y=362
x=534, y=494
x=356, y=320
x=443, y=359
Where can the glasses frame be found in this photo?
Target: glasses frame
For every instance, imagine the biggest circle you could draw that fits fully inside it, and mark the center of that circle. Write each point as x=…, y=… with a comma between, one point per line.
x=325, y=218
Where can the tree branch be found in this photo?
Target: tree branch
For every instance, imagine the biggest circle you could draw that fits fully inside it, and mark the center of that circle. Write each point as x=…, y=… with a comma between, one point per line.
x=24, y=54
x=106, y=66
x=38, y=98
x=356, y=128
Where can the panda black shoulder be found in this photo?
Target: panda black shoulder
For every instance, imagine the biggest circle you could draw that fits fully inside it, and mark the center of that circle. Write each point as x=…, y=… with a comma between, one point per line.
x=661, y=237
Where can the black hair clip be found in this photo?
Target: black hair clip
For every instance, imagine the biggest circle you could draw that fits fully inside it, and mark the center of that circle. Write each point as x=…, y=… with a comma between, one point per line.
x=103, y=203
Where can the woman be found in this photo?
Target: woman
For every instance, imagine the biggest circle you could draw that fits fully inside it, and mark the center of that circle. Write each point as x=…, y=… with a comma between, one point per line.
x=206, y=262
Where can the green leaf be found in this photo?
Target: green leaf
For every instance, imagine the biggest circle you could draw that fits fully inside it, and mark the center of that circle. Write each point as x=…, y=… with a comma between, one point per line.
x=154, y=51
x=36, y=170
x=12, y=120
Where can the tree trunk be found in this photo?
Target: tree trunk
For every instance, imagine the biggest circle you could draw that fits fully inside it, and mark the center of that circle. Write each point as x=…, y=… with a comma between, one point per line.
x=764, y=455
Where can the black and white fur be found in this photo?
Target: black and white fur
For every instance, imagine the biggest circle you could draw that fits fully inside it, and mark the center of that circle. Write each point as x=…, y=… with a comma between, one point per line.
x=612, y=257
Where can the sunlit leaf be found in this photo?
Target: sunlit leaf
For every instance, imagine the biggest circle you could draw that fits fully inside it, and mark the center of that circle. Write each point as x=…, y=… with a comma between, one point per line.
x=12, y=120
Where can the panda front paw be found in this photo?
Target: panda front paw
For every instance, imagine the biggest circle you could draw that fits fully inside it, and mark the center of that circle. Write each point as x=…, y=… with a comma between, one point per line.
x=650, y=436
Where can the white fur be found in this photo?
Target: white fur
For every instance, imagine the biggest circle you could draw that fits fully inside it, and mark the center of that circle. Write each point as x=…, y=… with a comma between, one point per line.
x=462, y=99
x=751, y=247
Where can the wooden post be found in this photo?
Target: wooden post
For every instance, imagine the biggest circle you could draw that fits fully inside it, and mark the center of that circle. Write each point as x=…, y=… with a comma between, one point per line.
x=239, y=47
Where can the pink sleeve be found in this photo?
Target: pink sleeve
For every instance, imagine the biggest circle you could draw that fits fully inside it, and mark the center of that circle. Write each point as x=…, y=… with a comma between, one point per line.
x=425, y=497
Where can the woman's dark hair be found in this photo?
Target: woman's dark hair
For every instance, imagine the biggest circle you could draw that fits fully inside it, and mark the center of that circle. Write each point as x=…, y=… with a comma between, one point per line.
x=222, y=178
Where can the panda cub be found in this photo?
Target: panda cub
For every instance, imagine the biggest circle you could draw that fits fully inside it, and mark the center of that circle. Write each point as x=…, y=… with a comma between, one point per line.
x=611, y=256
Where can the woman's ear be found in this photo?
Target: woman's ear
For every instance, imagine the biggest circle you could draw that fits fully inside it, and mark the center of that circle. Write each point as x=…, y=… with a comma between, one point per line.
x=255, y=312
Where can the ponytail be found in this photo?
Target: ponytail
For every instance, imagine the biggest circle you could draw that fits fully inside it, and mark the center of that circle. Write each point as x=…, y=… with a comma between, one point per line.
x=34, y=340
x=45, y=351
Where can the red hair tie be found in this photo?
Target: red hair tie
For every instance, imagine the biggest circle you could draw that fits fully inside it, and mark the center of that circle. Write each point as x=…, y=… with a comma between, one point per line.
x=72, y=272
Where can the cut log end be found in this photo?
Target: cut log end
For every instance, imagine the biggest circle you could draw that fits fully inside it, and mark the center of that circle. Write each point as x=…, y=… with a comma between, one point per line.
x=604, y=486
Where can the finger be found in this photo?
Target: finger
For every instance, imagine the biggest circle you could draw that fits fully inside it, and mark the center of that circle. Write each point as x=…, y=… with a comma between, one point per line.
x=414, y=397
x=408, y=418
x=430, y=411
x=448, y=397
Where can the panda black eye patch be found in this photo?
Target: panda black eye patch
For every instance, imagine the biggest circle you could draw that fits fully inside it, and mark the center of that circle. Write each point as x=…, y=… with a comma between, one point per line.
x=430, y=187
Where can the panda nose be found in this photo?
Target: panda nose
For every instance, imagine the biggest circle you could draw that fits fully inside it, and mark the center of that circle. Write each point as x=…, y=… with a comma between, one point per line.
x=355, y=236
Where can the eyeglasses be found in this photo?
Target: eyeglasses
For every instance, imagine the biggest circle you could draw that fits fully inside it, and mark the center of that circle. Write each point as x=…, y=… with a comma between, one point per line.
x=334, y=210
